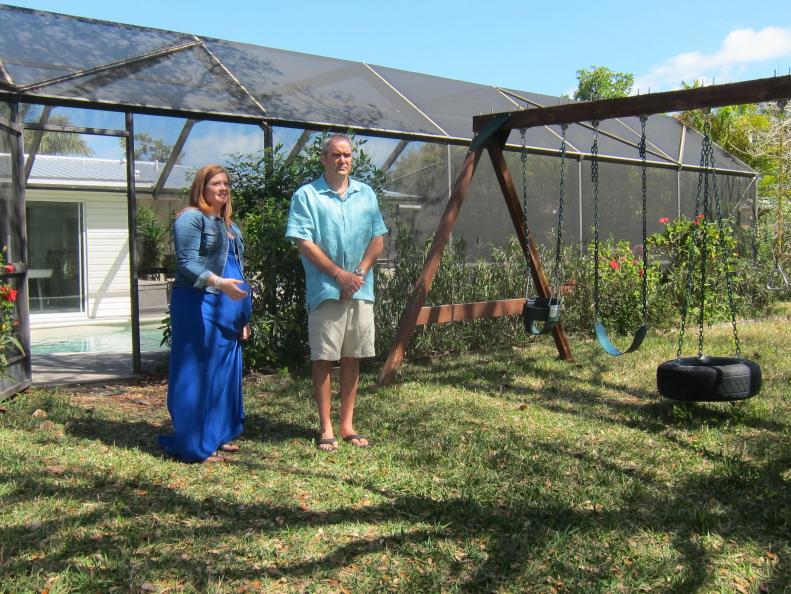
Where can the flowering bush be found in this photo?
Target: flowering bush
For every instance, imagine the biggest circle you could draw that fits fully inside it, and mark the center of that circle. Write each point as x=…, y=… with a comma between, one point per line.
x=9, y=343
x=620, y=289
x=681, y=246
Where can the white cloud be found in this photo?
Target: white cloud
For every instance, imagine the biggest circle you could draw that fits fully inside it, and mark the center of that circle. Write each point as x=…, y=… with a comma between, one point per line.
x=740, y=50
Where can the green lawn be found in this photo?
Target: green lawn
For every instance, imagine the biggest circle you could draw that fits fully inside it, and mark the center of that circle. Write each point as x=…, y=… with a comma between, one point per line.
x=501, y=472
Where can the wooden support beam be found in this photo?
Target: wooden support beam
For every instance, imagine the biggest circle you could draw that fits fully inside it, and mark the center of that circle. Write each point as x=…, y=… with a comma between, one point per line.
x=528, y=247
x=458, y=312
x=751, y=91
x=409, y=318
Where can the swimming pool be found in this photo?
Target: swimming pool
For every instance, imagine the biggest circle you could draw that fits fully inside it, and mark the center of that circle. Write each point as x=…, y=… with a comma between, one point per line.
x=94, y=339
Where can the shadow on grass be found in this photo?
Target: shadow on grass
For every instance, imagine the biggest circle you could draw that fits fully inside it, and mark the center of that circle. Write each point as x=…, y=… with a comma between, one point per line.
x=516, y=535
x=143, y=436
x=496, y=376
x=529, y=534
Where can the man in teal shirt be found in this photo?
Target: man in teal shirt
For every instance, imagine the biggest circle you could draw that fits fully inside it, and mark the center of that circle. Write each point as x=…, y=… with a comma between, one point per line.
x=338, y=228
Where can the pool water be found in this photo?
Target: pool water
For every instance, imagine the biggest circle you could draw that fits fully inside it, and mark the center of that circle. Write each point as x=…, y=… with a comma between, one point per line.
x=94, y=339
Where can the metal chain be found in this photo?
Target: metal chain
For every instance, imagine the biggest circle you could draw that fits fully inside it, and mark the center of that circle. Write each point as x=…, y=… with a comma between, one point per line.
x=725, y=255
x=643, y=153
x=559, y=243
x=704, y=238
x=595, y=181
x=523, y=157
x=690, y=261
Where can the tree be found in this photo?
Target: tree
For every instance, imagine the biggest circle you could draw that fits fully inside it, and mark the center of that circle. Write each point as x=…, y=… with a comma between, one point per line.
x=152, y=149
x=599, y=82
x=53, y=143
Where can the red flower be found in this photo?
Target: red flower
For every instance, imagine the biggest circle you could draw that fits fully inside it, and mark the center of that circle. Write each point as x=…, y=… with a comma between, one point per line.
x=8, y=293
x=664, y=220
x=641, y=272
x=614, y=265
x=9, y=268
x=696, y=222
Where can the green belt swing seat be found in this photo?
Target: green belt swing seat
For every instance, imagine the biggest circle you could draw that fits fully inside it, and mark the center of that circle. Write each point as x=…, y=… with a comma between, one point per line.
x=599, y=330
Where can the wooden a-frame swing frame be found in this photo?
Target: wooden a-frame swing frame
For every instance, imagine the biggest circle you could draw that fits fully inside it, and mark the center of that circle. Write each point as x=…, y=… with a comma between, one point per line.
x=491, y=134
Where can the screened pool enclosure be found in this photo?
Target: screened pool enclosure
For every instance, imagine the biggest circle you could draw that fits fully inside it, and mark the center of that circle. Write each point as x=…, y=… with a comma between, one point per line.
x=155, y=104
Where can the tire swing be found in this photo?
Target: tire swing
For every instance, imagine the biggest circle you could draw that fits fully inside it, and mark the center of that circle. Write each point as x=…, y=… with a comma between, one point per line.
x=598, y=327
x=703, y=378
x=540, y=314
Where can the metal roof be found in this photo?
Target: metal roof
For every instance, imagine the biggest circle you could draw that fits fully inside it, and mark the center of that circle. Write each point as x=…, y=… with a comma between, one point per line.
x=57, y=170
x=61, y=59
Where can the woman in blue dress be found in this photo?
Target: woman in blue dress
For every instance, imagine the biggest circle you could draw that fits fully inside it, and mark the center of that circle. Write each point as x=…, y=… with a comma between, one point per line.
x=209, y=312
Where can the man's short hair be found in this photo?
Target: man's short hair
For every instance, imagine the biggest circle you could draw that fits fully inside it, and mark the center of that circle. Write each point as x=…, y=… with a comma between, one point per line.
x=327, y=142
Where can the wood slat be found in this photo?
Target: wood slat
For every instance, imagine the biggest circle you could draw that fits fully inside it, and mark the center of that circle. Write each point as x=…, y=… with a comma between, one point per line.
x=458, y=312
x=751, y=91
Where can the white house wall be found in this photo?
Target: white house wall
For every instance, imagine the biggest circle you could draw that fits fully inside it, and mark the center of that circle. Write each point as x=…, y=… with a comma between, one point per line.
x=106, y=237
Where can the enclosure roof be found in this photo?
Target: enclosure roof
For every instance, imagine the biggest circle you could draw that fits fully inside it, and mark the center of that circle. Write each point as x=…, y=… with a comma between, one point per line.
x=60, y=59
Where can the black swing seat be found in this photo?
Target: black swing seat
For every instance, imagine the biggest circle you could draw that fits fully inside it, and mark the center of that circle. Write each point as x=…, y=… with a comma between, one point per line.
x=709, y=379
x=541, y=310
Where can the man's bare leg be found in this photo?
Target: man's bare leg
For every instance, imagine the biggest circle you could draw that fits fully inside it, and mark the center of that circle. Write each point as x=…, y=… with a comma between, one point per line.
x=350, y=380
x=322, y=393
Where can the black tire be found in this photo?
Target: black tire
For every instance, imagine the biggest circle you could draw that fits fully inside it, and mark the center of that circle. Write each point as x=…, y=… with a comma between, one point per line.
x=709, y=379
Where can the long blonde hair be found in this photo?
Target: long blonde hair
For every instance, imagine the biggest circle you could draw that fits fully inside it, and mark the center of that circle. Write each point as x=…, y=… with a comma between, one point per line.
x=197, y=200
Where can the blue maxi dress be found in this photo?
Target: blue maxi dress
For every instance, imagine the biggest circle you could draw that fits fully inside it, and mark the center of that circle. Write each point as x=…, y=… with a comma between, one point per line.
x=205, y=375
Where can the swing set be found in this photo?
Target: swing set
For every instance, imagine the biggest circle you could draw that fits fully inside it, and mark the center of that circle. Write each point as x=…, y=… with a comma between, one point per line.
x=541, y=314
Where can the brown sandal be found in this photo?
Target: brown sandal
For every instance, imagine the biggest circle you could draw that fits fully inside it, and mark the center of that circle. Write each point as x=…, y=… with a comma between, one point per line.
x=331, y=442
x=229, y=447
x=356, y=436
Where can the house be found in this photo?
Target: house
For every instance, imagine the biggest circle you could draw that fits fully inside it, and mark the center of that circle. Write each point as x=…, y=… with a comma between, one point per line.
x=78, y=237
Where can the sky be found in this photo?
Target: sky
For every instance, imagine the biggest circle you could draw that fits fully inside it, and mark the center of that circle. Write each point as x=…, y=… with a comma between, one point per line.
x=526, y=45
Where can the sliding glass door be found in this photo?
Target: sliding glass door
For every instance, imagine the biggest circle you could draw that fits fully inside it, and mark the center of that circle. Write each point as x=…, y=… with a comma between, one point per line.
x=56, y=271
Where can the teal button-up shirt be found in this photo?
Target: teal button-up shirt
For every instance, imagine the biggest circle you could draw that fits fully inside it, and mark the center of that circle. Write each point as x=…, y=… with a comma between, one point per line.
x=341, y=226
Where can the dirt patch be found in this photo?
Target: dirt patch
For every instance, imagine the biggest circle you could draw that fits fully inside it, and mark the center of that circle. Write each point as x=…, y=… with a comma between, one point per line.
x=131, y=397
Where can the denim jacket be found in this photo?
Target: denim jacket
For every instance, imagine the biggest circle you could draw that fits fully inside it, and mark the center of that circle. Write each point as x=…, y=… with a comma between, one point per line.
x=202, y=243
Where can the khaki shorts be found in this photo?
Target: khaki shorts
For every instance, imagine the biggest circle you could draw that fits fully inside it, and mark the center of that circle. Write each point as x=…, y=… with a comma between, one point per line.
x=341, y=329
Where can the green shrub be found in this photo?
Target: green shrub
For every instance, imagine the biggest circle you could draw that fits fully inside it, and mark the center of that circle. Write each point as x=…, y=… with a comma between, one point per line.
x=681, y=246
x=503, y=275
x=620, y=289
x=152, y=238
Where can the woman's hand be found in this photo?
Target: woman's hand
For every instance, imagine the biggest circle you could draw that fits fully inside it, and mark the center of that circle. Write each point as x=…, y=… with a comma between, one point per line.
x=244, y=335
x=230, y=286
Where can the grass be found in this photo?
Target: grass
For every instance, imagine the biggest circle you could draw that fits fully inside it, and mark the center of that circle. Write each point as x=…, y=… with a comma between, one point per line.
x=497, y=472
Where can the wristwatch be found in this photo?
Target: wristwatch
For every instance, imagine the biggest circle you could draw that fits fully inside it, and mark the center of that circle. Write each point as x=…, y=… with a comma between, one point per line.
x=359, y=271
